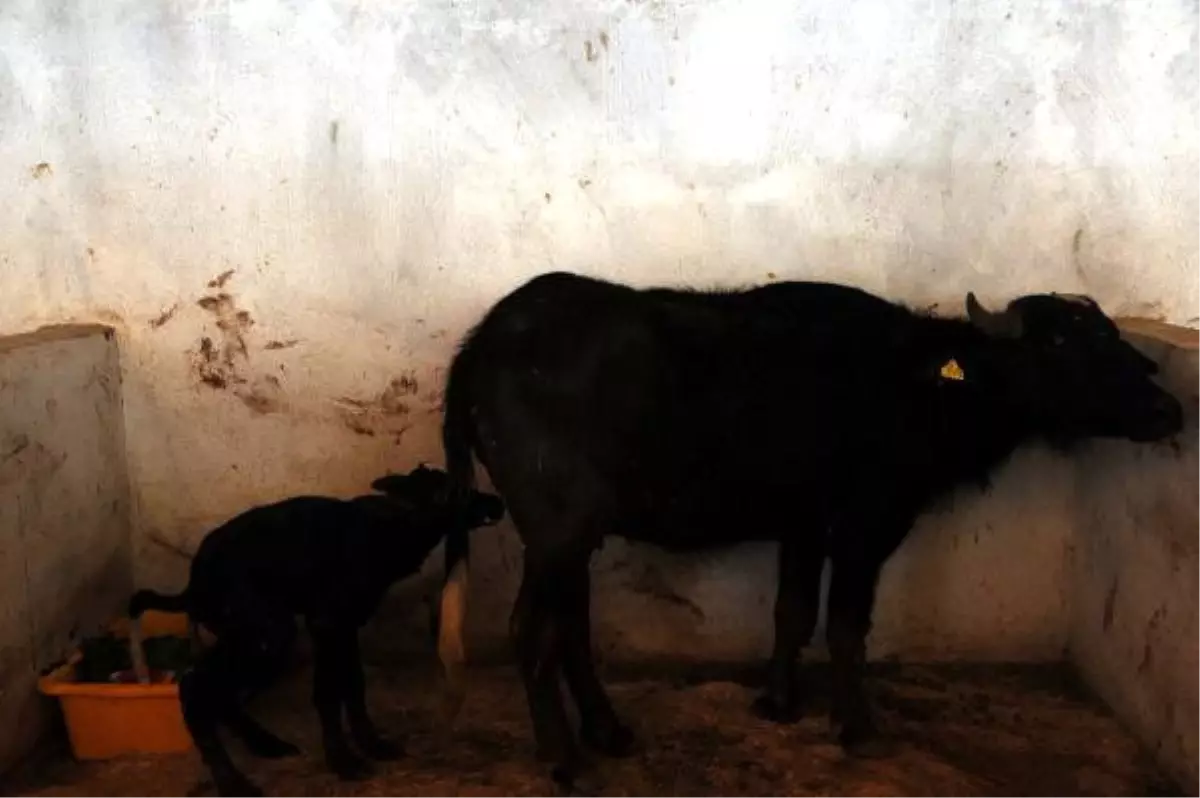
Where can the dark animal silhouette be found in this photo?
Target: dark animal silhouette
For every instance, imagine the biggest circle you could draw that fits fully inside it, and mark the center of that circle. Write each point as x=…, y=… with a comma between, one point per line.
x=812, y=414
x=329, y=560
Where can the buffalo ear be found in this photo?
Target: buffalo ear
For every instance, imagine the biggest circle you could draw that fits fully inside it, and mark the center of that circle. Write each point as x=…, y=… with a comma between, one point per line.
x=1080, y=299
x=1006, y=324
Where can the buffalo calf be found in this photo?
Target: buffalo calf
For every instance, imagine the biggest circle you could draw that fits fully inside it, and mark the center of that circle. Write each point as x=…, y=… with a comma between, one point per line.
x=328, y=560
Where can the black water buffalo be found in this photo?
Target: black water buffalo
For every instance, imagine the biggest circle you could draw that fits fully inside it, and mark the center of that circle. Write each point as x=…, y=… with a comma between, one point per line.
x=812, y=414
x=330, y=560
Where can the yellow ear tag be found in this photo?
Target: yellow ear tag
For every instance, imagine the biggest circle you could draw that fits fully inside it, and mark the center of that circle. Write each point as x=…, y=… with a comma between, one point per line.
x=951, y=370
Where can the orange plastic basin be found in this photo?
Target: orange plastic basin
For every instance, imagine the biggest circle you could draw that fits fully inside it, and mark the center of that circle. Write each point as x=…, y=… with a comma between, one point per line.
x=108, y=720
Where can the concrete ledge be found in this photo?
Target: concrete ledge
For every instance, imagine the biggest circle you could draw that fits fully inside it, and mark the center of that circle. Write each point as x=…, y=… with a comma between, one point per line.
x=64, y=510
x=1134, y=575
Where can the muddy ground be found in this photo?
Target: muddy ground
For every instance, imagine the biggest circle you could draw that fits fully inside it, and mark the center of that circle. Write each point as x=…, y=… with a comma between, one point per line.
x=957, y=730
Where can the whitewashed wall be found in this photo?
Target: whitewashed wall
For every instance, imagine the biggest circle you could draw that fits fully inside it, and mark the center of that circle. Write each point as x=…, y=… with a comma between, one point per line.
x=329, y=192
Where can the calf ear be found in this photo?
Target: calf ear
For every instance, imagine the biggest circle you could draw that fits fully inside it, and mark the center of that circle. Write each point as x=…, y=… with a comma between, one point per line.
x=390, y=484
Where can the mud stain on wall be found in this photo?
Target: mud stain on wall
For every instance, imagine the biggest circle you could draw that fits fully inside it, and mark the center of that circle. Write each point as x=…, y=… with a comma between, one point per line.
x=223, y=362
x=386, y=413
x=164, y=317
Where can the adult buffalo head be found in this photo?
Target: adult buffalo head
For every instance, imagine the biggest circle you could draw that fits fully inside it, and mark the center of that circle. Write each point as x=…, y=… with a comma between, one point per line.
x=1071, y=373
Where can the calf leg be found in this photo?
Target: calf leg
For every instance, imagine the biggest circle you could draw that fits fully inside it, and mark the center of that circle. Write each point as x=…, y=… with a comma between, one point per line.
x=264, y=644
x=207, y=691
x=258, y=740
x=364, y=732
x=330, y=655
x=599, y=726
x=536, y=635
x=246, y=657
x=797, y=600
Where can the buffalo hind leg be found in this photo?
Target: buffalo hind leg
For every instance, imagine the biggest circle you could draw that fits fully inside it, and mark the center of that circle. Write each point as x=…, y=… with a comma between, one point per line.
x=536, y=637
x=797, y=601
x=600, y=727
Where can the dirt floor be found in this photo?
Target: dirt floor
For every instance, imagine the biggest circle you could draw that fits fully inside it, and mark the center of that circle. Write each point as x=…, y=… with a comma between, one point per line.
x=952, y=731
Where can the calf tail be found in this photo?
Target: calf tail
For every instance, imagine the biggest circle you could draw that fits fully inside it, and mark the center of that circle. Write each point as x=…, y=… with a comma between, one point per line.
x=458, y=440
x=141, y=601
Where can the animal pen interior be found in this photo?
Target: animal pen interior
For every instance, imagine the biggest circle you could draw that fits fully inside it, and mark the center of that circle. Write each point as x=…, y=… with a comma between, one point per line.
x=244, y=242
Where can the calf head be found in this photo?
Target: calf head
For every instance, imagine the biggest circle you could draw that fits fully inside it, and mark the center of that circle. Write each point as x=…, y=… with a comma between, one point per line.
x=429, y=489
x=1070, y=372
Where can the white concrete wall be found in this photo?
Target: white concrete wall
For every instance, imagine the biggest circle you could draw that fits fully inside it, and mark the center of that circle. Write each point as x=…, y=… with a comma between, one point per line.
x=65, y=564
x=1134, y=587
x=328, y=193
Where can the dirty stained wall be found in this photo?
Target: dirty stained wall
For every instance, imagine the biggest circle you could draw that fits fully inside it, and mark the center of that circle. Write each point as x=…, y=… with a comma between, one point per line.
x=290, y=210
x=65, y=559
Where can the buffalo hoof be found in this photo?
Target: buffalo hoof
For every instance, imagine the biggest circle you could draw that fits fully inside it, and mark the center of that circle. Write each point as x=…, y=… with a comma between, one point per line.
x=864, y=742
x=381, y=749
x=573, y=779
x=563, y=777
x=348, y=766
x=871, y=748
x=566, y=766
x=613, y=740
x=770, y=708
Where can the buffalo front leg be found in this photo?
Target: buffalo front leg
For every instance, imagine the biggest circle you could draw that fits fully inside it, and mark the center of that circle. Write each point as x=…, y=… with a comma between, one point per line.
x=599, y=726
x=851, y=600
x=797, y=600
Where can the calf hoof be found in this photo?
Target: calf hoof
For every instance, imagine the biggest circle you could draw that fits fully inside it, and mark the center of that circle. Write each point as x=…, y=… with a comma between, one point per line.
x=770, y=708
x=381, y=749
x=271, y=747
x=237, y=785
x=349, y=766
x=613, y=739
